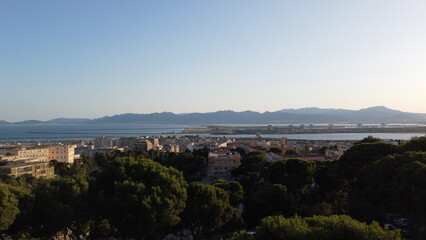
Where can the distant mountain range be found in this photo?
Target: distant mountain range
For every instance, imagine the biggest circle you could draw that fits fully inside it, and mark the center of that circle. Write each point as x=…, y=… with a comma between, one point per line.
x=378, y=114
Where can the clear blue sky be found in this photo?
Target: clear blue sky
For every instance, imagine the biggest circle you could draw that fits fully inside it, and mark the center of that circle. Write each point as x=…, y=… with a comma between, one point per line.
x=96, y=58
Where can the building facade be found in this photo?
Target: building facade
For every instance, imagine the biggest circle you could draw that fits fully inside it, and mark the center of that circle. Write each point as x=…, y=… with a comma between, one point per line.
x=26, y=154
x=40, y=169
x=222, y=161
x=62, y=153
x=144, y=145
x=103, y=142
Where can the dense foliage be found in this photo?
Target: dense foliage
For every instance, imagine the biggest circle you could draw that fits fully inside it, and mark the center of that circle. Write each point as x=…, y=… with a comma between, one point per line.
x=334, y=227
x=208, y=210
x=149, y=195
x=138, y=196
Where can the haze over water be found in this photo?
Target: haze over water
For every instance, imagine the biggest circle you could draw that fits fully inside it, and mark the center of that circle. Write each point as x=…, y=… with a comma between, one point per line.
x=90, y=131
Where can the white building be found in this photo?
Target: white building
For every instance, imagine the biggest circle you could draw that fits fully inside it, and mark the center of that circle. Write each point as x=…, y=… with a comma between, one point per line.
x=24, y=154
x=62, y=153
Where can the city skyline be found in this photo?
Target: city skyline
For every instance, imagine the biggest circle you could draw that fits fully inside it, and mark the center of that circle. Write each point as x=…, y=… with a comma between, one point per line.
x=100, y=58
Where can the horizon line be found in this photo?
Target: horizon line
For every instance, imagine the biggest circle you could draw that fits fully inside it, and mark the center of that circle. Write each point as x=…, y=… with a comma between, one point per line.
x=227, y=110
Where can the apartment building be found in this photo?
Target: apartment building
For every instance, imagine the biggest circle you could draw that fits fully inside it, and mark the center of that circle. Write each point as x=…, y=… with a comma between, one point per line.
x=62, y=153
x=39, y=169
x=143, y=145
x=222, y=161
x=103, y=142
x=26, y=154
x=170, y=148
x=128, y=142
x=155, y=142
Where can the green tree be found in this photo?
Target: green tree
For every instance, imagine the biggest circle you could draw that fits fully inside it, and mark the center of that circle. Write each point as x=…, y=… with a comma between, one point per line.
x=192, y=166
x=351, y=166
x=102, y=229
x=415, y=144
x=204, y=152
x=22, y=223
x=266, y=199
x=369, y=139
x=60, y=206
x=330, y=195
x=397, y=183
x=101, y=159
x=207, y=210
x=294, y=173
x=88, y=162
x=61, y=169
x=138, y=197
x=234, y=189
x=248, y=173
x=241, y=151
x=280, y=228
x=334, y=227
x=338, y=227
x=8, y=207
x=253, y=161
x=276, y=150
x=359, y=156
x=291, y=152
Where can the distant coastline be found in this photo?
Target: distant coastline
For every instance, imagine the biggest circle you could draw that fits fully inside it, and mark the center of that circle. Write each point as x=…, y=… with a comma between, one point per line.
x=69, y=132
x=214, y=130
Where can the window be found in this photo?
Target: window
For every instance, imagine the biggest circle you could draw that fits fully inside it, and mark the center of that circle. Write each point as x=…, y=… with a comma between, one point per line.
x=25, y=169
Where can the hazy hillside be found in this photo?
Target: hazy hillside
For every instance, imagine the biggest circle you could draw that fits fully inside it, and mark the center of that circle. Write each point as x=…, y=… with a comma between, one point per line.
x=3, y=122
x=303, y=115
x=69, y=120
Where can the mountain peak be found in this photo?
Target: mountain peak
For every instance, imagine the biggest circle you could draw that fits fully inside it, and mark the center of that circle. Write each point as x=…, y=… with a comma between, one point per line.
x=378, y=109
